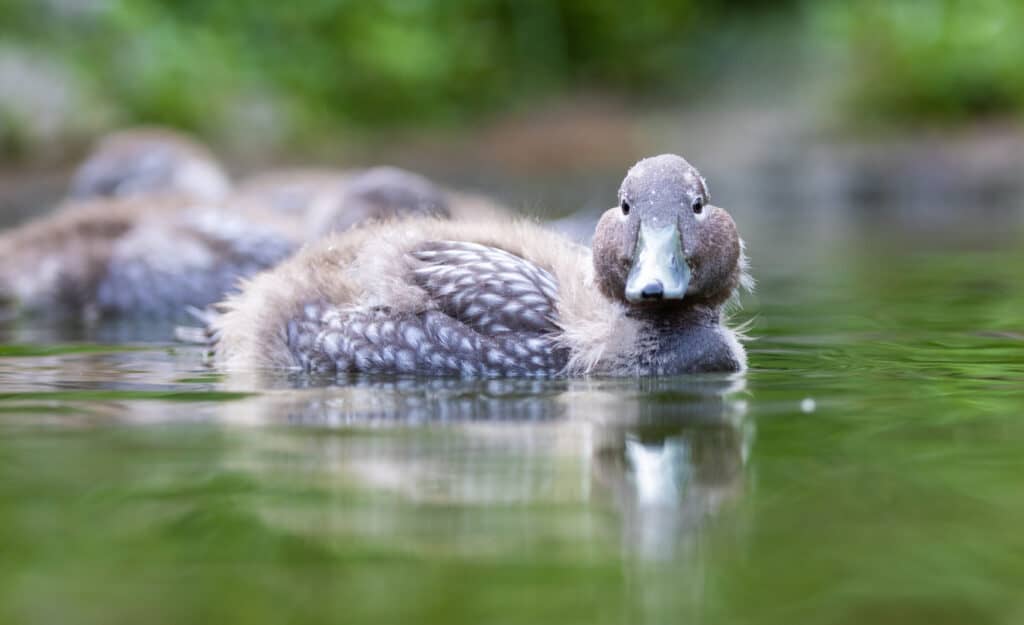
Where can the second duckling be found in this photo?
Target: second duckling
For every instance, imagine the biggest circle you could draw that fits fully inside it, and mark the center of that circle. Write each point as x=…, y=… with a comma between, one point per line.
x=157, y=255
x=141, y=162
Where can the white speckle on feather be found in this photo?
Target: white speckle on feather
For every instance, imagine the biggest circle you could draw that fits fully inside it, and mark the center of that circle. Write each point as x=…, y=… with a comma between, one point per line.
x=491, y=300
x=413, y=336
x=532, y=299
x=406, y=361
x=330, y=343
x=536, y=344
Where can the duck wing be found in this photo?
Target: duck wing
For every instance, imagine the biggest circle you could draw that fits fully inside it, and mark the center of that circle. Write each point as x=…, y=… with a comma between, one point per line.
x=486, y=288
x=489, y=313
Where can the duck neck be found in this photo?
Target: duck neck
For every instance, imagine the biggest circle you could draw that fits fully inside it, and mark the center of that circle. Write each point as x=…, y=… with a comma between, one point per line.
x=680, y=339
x=671, y=319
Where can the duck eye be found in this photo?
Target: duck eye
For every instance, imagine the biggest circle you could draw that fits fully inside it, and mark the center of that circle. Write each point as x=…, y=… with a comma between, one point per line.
x=625, y=207
x=698, y=206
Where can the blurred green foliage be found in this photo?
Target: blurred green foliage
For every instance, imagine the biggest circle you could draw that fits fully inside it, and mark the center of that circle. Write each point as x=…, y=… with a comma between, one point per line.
x=194, y=62
x=929, y=60
x=296, y=69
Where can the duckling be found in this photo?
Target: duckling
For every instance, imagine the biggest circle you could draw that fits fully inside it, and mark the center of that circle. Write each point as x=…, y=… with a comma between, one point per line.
x=376, y=194
x=507, y=298
x=331, y=199
x=157, y=255
x=54, y=263
x=145, y=161
x=198, y=257
x=288, y=191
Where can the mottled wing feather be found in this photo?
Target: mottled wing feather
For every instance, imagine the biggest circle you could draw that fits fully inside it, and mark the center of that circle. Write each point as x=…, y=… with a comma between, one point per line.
x=324, y=338
x=486, y=288
x=493, y=314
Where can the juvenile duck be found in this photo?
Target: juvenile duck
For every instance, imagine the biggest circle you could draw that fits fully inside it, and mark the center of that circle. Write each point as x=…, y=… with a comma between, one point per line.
x=145, y=161
x=131, y=256
x=289, y=191
x=335, y=200
x=507, y=298
x=198, y=257
x=375, y=194
x=156, y=255
x=54, y=264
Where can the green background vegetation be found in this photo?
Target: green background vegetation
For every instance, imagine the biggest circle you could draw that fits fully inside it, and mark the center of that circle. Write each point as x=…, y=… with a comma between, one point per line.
x=304, y=67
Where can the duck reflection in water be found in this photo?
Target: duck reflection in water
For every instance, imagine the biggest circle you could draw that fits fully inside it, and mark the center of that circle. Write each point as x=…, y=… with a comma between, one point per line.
x=666, y=454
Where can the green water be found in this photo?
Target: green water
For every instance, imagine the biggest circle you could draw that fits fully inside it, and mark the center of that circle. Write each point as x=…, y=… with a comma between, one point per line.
x=867, y=469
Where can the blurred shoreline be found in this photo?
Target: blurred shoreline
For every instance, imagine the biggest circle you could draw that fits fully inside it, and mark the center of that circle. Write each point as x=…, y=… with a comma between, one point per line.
x=569, y=155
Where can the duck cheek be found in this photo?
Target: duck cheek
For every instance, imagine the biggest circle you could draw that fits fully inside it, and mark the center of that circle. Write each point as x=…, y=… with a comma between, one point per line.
x=711, y=274
x=693, y=271
x=622, y=274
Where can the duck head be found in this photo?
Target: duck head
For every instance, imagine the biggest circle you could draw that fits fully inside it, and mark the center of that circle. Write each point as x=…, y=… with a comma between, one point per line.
x=145, y=161
x=665, y=246
x=377, y=194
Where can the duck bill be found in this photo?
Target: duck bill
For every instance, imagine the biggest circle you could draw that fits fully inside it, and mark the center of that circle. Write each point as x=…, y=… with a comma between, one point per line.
x=659, y=268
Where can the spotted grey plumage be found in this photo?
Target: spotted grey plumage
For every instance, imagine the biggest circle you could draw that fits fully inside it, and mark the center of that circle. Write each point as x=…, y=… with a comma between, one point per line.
x=487, y=288
x=494, y=316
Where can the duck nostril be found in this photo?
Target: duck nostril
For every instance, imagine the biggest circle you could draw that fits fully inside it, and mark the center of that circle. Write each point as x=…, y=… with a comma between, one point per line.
x=654, y=290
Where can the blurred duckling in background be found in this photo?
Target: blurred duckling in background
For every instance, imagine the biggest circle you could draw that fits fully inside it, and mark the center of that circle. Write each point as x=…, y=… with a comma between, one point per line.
x=53, y=264
x=374, y=195
x=335, y=200
x=142, y=162
x=288, y=192
x=165, y=265
x=129, y=252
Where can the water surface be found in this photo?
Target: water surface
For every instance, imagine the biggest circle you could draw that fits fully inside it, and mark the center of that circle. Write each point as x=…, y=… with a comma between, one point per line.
x=867, y=468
